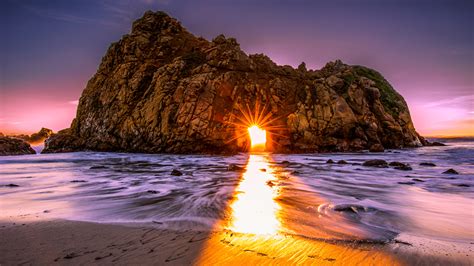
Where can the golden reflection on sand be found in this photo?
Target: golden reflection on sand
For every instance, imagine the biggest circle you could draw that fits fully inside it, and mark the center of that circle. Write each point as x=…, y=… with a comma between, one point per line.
x=256, y=232
x=254, y=210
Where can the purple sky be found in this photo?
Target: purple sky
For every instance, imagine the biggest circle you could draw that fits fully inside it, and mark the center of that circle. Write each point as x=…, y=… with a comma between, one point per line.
x=49, y=49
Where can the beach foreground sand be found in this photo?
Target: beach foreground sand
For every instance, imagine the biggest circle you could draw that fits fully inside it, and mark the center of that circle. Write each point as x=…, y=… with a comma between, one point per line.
x=70, y=242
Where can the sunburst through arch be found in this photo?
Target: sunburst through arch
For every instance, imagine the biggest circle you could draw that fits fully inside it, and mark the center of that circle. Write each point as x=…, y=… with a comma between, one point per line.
x=259, y=126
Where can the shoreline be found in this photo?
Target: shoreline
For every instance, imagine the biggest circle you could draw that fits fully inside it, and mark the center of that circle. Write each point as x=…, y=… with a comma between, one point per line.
x=44, y=242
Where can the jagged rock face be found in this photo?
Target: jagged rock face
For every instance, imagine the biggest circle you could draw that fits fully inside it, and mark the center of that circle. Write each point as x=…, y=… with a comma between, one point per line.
x=14, y=146
x=161, y=89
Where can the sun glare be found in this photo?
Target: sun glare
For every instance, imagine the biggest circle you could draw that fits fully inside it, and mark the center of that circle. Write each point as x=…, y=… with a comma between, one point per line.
x=258, y=138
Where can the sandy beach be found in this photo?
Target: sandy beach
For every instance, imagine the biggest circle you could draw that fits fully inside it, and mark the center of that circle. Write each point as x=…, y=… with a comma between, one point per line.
x=63, y=242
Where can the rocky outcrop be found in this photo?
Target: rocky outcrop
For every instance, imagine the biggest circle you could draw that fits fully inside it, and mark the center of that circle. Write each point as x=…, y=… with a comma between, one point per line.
x=37, y=137
x=14, y=146
x=161, y=89
x=63, y=141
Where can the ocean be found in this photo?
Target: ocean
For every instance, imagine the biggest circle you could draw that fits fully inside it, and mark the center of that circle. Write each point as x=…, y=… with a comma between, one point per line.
x=259, y=193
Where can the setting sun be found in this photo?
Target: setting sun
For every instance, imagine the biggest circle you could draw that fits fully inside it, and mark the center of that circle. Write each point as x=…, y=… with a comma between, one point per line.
x=258, y=138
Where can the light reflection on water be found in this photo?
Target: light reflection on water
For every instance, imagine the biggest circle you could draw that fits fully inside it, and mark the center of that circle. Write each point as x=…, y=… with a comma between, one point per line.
x=305, y=195
x=255, y=210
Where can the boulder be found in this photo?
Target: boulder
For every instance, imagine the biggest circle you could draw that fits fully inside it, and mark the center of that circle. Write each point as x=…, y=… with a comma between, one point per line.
x=451, y=171
x=375, y=163
x=160, y=89
x=396, y=164
x=64, y=141
x=14, y=146
x=427, y=164
x=404, y=167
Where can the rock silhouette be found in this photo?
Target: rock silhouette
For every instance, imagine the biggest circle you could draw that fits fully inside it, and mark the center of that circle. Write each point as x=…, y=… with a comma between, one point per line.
x=162, y=89
x=14, y=146
x=37, y=137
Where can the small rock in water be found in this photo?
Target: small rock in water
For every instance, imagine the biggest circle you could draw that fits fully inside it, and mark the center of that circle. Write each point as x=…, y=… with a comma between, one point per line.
x=330, y=161
x=451, y=171
x=341, y=162
x=78, y=181
x=376, y=148
x=176, y=173
x=152, y=191
x=437, y=144
x=234, y=167
x=263, y=170
x=396, y=164
x=12, y=185
x=418, y=180
x=285, y=162
x=404, y=168
x=427, y=164
x=375, y=163
x=354, y=208
x=270, y=183
x=406, y=183
x=463, y=185
x=98, y=167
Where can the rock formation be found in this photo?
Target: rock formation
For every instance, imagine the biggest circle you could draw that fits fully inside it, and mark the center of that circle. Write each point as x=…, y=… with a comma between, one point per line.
x=14, y=146
x=161, y=89
x=37, y=137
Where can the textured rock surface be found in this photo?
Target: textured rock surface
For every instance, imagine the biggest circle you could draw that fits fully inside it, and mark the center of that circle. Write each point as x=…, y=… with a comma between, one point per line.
x=161, y=89
x=14, y=146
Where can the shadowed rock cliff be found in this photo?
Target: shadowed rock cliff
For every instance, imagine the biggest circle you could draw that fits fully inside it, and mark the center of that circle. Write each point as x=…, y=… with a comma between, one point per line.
x=14, y=146
x=161, y=89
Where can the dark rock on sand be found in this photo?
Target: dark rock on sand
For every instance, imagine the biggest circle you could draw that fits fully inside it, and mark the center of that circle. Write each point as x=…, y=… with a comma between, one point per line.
x=162, y=89
x=451, y=171
x=14, y=146
x=330, y=161
x=375, y=163
x=176, y=173
x=427, y=164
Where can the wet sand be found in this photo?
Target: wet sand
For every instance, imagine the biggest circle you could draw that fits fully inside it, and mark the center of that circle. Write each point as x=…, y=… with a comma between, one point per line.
x=46, y=242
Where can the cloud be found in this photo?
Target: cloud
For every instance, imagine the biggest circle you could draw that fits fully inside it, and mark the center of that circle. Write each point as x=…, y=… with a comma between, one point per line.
x=64, y=16
x=453, y=102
